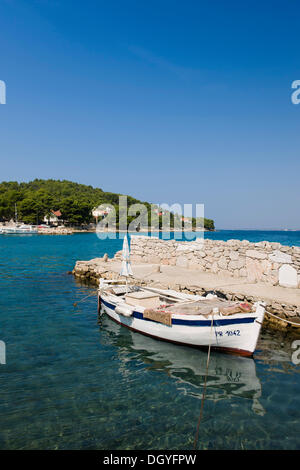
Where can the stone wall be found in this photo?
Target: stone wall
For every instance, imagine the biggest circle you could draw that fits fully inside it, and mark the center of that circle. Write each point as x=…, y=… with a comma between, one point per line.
x=270, y=263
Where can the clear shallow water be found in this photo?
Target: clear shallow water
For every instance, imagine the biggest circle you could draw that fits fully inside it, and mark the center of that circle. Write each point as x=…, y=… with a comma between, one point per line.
x=71, y=382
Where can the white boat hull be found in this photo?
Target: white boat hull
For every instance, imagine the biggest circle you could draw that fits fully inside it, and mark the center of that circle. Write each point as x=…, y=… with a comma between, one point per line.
x=18, y=231
x=237, y=334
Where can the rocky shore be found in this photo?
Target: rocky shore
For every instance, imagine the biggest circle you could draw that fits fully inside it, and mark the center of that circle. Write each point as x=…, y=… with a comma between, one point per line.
x=55, y=231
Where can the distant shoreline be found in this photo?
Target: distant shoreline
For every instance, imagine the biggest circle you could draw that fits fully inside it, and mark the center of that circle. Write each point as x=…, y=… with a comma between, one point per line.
x=257, y=230
x=64, y=229
x=60, y=230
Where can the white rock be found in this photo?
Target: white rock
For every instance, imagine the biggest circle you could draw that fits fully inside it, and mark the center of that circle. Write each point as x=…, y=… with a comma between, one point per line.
x=195, y=247
x=233, y=255
x=154, y=259
x=214, y=268
x=222, y=263
x=288, y=276
x=256, y=254
x=182, y=261
x=236, y=264
x=243, y=272
x=183, y=248
x=280, y=257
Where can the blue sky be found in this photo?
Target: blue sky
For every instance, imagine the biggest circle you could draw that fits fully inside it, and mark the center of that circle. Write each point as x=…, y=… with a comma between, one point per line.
x=186, y=102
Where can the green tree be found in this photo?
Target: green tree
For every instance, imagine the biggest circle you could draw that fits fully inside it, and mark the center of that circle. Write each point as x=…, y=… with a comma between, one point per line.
x=38, y=198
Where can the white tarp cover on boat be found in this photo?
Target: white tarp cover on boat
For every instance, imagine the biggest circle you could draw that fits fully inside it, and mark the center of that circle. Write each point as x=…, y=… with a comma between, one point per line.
x=126, y=266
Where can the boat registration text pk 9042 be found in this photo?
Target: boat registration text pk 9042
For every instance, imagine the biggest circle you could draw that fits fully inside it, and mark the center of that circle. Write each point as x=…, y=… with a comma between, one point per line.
x=228, y=333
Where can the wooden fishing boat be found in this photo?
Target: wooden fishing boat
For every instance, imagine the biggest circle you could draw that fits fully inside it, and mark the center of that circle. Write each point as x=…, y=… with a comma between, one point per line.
x=184, y=319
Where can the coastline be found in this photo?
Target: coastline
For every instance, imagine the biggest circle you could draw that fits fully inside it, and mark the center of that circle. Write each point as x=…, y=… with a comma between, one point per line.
x=71, y=230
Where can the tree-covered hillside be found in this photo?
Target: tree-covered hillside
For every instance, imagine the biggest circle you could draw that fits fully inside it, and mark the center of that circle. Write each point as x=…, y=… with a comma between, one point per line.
x=36, y=199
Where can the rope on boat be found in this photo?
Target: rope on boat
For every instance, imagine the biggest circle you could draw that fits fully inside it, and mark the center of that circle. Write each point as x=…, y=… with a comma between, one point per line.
x=204, y=386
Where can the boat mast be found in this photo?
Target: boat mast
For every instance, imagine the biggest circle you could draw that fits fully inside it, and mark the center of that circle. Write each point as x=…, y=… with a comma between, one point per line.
x=16, y=213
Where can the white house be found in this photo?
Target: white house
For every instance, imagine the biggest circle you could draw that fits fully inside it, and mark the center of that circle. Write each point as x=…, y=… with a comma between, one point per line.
x=101, y=211
x=53, y=218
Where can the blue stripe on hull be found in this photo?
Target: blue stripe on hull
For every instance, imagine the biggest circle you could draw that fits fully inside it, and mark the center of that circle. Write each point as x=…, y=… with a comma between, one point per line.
x=177, y=321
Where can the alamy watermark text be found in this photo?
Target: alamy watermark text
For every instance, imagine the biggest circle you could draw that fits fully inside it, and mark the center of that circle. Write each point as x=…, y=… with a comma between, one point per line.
x=2, y=92
x=2, y=353
x=296, y=94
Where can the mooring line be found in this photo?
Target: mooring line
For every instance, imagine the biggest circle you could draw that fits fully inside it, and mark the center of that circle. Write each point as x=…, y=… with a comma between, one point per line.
x=289, y=322
x=204, y=386
x=81, y=300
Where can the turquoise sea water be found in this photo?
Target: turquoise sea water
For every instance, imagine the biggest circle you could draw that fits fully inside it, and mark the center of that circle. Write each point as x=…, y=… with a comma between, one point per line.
x=290, y=238
x=73, y=382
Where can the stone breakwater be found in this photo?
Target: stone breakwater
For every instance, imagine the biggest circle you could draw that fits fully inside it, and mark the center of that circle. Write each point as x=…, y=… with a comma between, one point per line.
x=55, y=231
x=264, y=262
x=281, y=301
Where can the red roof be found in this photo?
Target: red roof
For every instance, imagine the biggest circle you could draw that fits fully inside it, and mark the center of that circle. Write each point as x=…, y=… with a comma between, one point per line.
x=57, y=213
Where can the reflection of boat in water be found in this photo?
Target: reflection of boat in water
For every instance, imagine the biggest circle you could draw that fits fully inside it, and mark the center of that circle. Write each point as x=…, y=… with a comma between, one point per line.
x=228, y=376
